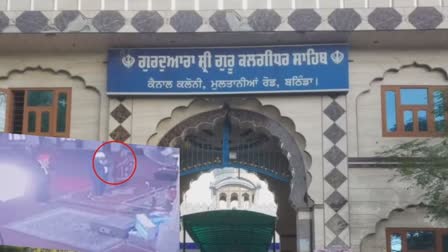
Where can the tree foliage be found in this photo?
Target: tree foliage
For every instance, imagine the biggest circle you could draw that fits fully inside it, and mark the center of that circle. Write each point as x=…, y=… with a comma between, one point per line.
x=424, y=163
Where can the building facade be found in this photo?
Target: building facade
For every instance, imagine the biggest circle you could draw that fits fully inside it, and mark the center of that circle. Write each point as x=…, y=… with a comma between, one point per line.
x=226, y=189
x=54, y=67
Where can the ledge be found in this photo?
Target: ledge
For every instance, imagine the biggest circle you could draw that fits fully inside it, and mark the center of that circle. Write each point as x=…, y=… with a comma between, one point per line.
x=260, y=20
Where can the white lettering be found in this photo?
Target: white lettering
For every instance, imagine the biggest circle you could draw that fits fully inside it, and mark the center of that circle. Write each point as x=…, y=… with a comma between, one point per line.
x=269, y=82
x=205, y=61
x=143, y=62
x=229, y=84
x=224, y=62
x=173, y=62
x=190, y=84
x=266, y=59
x=298, y=81
x=310, y=57
x=159, y=84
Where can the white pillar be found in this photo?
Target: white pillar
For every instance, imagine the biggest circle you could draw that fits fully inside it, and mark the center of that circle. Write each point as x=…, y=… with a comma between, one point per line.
x=304, y=229
x=217, y=199
x=318, y=227
x=196, y=5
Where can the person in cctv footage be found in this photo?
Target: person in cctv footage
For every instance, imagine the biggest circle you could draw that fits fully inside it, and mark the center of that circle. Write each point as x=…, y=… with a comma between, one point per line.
x=171, y=195
x=42, y=174
x=102, y=169
x=125, y=165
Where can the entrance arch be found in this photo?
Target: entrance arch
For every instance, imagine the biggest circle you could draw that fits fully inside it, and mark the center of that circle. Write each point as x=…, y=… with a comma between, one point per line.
x=254, y=130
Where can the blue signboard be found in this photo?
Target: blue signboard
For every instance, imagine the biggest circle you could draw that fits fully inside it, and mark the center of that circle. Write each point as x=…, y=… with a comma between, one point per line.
x=242, y=70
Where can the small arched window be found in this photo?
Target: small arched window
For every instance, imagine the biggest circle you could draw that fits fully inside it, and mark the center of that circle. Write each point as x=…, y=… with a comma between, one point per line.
x=223, y=197
x=234, y=201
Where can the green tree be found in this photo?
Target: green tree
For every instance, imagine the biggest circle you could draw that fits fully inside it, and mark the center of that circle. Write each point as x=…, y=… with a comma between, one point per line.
x=424, y=163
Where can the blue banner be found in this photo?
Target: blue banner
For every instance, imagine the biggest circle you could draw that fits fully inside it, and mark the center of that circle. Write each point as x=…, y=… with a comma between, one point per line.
x=242, y=70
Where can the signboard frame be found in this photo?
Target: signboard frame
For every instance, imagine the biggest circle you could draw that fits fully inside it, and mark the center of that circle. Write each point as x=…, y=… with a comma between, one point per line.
x=112, y=89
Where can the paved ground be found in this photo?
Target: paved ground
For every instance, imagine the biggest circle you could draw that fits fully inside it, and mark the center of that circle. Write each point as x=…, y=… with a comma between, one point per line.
x=114, y=203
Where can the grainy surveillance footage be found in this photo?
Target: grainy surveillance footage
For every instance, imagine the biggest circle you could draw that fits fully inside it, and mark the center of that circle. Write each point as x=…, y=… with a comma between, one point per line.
x=78, y=195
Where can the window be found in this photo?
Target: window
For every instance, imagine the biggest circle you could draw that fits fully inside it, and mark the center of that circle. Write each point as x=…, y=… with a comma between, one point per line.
x=43, y=112
x=417, y=240
x=15, y=137
x=3, y=110
x=234, y=201
x=413, y=111
x=63, y=139
x=223, y=197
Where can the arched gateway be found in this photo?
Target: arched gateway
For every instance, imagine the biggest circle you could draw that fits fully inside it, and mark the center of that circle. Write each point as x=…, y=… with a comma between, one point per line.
x=244, y=134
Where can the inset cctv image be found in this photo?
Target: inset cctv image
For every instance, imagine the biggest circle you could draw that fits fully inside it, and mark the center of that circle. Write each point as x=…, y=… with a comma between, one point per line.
x=76, y=195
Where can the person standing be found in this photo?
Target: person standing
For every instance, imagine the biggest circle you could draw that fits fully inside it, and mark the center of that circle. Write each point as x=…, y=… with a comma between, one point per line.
x=109, y=164
x=43, y=178
x=125, y=165
x=103, y=171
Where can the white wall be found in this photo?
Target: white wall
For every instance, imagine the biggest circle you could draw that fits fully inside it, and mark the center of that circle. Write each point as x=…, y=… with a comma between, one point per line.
x=372, y=195
x=85, y=74
x=206, y=4
x=364, y=99
x=398, y=219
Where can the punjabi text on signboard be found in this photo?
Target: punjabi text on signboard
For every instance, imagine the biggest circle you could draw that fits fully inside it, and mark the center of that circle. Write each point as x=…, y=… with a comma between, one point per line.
x=227, y=70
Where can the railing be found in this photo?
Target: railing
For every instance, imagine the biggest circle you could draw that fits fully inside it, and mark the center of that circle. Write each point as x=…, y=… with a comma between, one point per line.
x=15, y=5
x=190, y=208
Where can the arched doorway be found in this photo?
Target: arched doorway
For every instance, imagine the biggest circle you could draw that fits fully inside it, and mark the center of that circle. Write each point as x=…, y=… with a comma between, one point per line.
x=237, y=136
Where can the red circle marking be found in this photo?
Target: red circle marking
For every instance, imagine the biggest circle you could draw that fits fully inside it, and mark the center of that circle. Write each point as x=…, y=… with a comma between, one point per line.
x=120, y=182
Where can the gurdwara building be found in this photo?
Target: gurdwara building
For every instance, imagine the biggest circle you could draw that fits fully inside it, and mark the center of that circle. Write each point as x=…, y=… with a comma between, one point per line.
x=303, y=93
